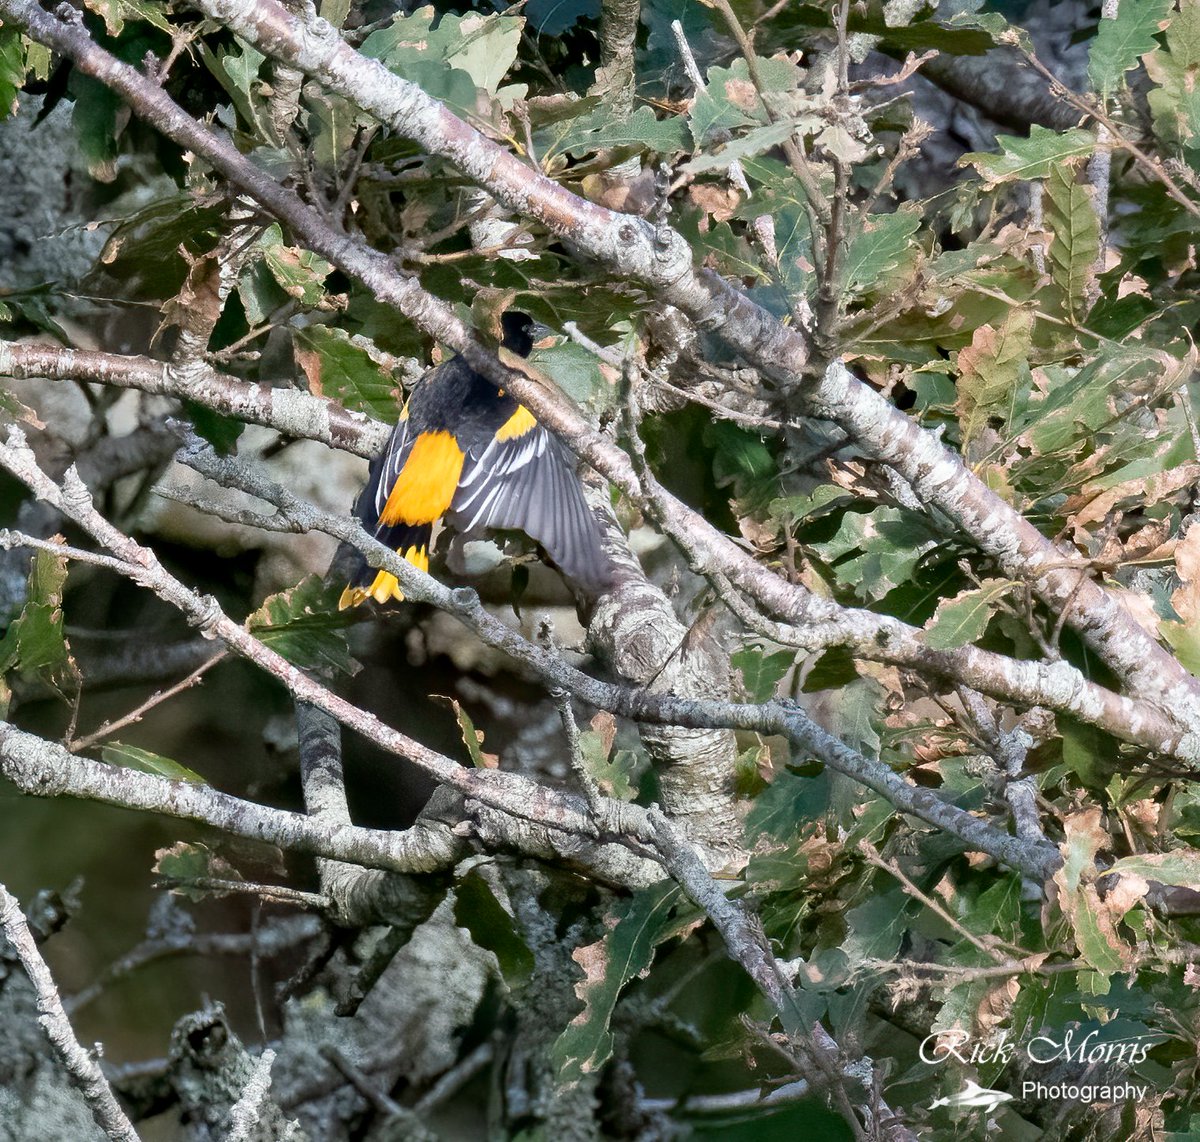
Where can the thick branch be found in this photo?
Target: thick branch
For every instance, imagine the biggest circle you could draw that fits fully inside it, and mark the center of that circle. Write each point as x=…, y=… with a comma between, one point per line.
x=635, y=629
x=44, y=769
x=998, y=84
x=290, y=411
x=1057, y=576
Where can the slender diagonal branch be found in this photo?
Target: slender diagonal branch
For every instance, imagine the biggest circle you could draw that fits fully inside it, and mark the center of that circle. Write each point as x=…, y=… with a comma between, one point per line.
x=83, y=1068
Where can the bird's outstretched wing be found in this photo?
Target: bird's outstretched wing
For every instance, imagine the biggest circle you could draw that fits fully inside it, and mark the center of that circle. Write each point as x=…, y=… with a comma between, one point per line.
x=524, y=478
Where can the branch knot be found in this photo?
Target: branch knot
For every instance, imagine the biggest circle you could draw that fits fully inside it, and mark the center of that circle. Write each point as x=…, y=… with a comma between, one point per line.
x=207, y=616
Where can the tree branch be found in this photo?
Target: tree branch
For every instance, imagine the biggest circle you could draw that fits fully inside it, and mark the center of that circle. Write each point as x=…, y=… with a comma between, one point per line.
x=998, y=85
x=769, y=718
x=822, y=623
x=45, y=769
x=817, y=622
x=290, y=411
x=82, y=1067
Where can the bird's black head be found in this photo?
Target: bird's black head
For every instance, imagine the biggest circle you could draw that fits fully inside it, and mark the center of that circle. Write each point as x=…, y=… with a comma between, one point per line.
x=518, y=332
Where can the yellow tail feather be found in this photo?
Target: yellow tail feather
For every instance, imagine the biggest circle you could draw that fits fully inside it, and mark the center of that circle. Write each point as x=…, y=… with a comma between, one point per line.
x=384, y=586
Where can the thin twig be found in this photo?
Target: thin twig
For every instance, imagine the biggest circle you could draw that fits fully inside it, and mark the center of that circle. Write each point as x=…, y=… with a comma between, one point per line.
x=281, y=936
x=591, y=791
x=156, y=699
x=276, y=893
x=455, y=1078
x=873, y=857
x=1010, y=751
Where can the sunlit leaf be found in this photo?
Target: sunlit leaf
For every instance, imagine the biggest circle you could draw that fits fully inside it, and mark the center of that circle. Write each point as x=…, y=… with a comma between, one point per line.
x=144, y=761
x=1175, y=101
x=1181, y=867
x=879, y=248
x=345, y=371
x=990, y=370
x=962, y=620
x=597, y=130
x=1119, y=43
x=304, y=625
x=873, y=552
x=753, y=142
x=1075, y=237
x=450, y=58
x=1025, y=159
x=1095, y=934
x=116, y=12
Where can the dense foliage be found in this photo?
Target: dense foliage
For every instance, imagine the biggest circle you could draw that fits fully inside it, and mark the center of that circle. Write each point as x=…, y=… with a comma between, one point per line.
x=1023, y=293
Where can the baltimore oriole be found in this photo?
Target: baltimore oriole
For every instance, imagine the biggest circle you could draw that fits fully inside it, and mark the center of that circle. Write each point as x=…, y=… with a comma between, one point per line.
x=465, y=450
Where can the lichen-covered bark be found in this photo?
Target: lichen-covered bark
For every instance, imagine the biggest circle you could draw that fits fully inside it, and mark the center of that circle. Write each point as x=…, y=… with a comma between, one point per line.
x=209, y=1071
x=37, y=1099
x=635, y=630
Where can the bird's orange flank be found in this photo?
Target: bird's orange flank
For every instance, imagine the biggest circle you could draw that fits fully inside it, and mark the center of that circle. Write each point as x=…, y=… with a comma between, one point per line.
x=426, y=485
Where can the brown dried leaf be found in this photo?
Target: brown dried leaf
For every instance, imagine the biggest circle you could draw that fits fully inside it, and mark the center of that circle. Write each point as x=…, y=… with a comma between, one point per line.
x=1140, y=605
x=1092, y=506
x=198, y=304
x=1186, y=600
x=1127, y=893
x=996, y=1005
x=742, y=94
x=989, y=370
x=720, y=202
x=605, y=726
x=593, y=959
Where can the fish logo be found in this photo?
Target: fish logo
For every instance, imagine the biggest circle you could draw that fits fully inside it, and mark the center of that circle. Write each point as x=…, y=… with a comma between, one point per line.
x=973, y=1096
